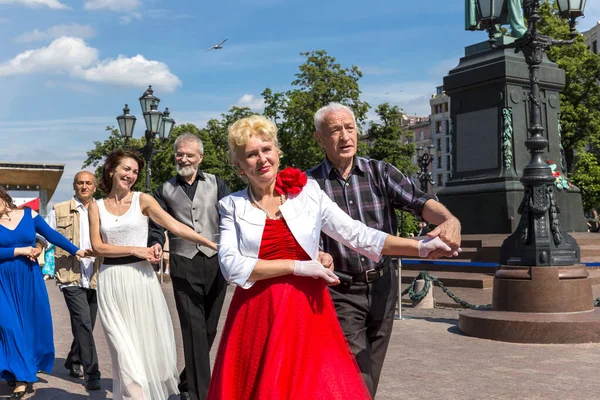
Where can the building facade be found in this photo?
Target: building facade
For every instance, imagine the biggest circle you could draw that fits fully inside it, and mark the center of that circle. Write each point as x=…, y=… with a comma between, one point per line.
x=592, y=37
x=420, y=135
x=441, y=166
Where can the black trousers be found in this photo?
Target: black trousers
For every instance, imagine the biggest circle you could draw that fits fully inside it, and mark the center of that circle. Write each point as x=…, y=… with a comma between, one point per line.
x=366, y=314
x=199, y=289
x=83, y=306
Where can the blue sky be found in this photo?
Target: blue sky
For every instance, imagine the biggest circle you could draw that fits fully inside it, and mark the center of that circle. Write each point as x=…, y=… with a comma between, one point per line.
x=67, y=67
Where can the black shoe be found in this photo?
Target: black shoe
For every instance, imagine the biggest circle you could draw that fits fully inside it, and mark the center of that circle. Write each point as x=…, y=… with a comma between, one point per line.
x=93, y=384
x=75, y=371
x=185, y=396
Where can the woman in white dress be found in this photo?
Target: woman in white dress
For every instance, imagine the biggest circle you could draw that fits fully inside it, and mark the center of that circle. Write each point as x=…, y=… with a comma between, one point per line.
x=131, y=305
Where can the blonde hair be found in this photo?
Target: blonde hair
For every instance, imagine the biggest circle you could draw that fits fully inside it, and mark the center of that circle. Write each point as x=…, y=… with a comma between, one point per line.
x=253, y=126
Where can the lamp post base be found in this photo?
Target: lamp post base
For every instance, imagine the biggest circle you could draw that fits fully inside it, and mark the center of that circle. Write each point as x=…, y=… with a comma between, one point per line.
x=537, y=305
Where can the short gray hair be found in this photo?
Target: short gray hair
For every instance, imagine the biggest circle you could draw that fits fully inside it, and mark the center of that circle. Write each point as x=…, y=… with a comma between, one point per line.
x=331, y=107
x=189, y=137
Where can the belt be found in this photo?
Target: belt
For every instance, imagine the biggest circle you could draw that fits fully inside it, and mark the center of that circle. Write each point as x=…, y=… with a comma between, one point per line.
x=368, y=276
x=121, y=260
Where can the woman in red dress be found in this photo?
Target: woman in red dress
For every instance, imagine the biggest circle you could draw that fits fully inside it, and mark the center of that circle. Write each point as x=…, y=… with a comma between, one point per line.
x=282, y=339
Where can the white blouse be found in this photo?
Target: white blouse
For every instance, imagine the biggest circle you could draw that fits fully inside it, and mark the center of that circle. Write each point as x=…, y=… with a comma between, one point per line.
x=306, y=214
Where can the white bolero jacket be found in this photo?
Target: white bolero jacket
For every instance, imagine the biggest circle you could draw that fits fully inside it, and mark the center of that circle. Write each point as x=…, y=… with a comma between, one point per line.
x=306, y=214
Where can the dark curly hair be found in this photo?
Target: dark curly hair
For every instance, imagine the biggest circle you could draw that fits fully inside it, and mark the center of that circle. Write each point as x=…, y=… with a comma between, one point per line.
x=112, y=162
x=4, y=196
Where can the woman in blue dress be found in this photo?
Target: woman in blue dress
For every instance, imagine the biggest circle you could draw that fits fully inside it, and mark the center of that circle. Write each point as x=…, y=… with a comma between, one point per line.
x=26, y=339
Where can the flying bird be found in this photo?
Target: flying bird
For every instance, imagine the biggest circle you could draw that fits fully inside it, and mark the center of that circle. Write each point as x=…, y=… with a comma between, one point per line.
x=216, y=46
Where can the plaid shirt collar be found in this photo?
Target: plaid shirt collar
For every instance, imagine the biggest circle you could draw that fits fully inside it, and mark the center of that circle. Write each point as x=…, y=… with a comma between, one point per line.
x=358, y=167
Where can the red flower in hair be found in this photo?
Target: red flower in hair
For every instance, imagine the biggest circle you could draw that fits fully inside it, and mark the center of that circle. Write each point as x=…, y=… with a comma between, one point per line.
x=290, y=181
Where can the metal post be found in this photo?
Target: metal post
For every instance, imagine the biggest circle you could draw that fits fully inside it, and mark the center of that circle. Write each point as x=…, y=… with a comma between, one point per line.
x=398, y=267
x=148, y=152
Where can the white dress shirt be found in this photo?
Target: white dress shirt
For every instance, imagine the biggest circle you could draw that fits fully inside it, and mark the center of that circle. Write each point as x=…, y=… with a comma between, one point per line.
x=87, y=264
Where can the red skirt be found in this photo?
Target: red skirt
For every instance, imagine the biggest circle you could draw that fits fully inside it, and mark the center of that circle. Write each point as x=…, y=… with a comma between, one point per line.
x=282, y=340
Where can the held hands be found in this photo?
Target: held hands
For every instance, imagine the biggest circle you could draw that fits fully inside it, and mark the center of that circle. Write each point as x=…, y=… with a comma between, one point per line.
x=326, y=260
x=157, y=250
x=147, y=253
x=315, y=270
x=429, y=248
x=449, y=233
x=85, y=253
x=30, y=252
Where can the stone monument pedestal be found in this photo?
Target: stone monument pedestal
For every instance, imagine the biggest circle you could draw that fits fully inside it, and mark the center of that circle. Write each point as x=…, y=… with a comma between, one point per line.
x=489, y=102
x=537, y=305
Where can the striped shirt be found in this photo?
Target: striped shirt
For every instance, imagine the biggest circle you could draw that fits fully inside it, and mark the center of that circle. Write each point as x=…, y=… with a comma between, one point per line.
x=371, y=194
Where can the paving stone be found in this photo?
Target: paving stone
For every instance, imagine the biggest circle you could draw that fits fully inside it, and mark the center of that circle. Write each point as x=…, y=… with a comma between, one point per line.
x=428, y=358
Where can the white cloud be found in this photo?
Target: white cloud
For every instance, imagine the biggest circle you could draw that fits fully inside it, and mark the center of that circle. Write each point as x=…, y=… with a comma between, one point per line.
x=111, y=5
x=135, y=71
x=76, y=30
x=69, y=55
x=252, y=102
x=65, y=54
x=38, y=3
x=412, y=96
x=126, y=19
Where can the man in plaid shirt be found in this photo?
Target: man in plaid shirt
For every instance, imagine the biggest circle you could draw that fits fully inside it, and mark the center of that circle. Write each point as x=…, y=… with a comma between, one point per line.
x=369, y=191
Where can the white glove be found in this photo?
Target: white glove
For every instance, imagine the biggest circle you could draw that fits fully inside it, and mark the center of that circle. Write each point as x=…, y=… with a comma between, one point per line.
x=314, y=269
x=426, y=246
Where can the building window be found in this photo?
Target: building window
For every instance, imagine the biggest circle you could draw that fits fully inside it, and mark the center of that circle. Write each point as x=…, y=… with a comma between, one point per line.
x=439, y=162
x=439, y=145
x=440, y=180
x=438, y=127
x=448, y=162
x=445, y=107
x=439, y=90
x=447, y=177
x=448, y=145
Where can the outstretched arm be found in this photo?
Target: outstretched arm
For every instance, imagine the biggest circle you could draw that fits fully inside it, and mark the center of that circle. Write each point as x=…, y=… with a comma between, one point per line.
x=152, y=209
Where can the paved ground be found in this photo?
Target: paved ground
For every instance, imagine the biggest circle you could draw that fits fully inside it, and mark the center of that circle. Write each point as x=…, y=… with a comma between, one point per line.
x=428, y=359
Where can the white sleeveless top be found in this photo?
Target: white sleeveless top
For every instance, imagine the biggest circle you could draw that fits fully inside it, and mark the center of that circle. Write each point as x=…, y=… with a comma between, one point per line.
x=129, y=229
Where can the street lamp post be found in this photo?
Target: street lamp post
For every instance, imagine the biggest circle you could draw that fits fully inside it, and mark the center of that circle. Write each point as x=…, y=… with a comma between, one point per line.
x=542, y=294
x=157, y=123
x=424, y=159
x=538, y=239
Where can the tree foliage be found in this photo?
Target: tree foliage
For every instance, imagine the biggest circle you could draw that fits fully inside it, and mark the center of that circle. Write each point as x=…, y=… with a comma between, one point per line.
x=386, y=139
x=587, y=178
x=580, y=99
x=320, y=81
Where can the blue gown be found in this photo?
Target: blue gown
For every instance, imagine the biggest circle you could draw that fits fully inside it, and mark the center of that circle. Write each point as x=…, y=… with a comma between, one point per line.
x=26, y=338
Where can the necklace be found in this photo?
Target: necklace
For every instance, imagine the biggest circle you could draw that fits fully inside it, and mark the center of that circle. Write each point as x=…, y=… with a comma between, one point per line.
x=118, y=206
x=257, y=204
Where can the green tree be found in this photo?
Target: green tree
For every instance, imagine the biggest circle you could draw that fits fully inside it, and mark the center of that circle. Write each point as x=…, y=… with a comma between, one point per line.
x=387, y=140
x=95, y=157
x=580, y=99
x=320, y=81
x=215, y=133
x=587, y=177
